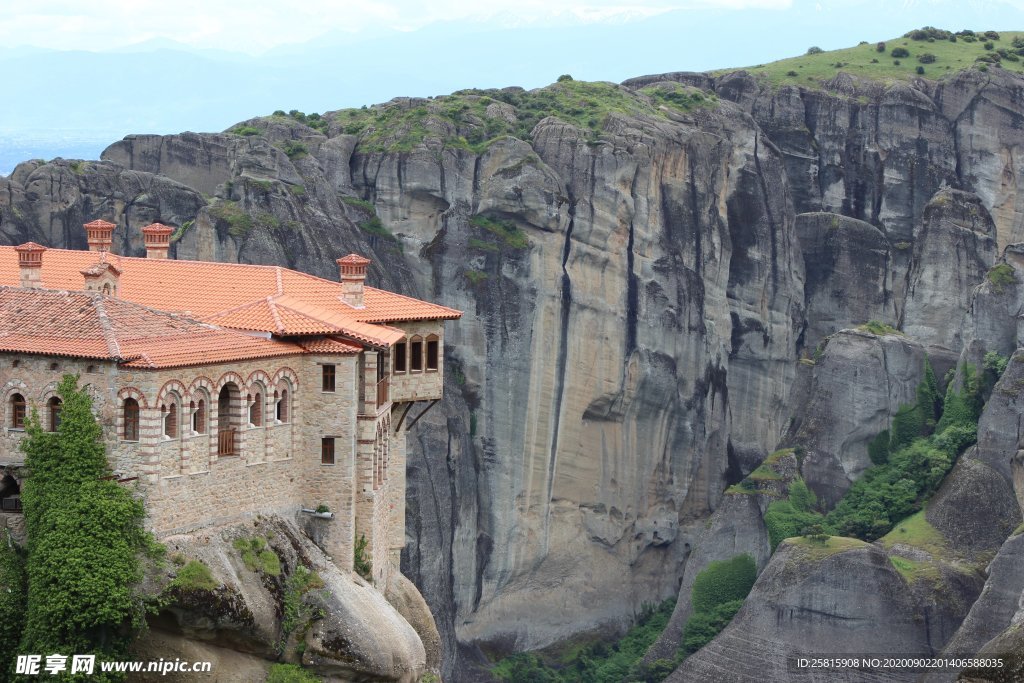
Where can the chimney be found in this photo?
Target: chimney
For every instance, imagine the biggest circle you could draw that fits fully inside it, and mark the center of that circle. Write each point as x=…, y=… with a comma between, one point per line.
x=30, y=263
x=99, y=234
x=353, y=273
x=103, y=277
x=158, y=240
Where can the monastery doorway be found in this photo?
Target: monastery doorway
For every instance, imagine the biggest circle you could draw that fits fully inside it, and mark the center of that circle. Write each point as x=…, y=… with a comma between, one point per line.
x=228, y=406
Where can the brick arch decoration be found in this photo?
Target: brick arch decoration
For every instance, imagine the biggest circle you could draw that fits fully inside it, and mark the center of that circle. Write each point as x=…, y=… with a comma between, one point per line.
x=198, y=385
x=126, y=393
x=231, y=376
x=170, y=386
x=14, y=386
x=48, y=392
x=258, y=376
x=288, y=374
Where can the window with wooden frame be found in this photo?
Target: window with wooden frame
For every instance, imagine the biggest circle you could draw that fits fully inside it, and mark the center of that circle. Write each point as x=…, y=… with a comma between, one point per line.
x=53, y=407
x=327, y=450
x=130, y=412
x=327, y=372
x=433, y=349
x=401, y=356
x=17, y=411
x=256, y=410
x=416, y=355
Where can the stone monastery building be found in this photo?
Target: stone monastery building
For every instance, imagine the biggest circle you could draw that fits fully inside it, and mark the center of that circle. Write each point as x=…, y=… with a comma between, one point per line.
x=226, y=389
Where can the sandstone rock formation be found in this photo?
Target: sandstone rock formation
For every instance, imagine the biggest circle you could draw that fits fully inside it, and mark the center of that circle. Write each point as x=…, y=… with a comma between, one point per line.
x=333, y=622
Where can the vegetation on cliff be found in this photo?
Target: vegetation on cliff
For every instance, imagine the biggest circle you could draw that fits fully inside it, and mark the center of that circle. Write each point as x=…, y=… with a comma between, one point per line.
x=927, y=52
x=473, y=119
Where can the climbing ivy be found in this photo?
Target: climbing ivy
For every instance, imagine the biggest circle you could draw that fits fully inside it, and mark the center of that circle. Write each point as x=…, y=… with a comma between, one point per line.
x=85, y=540
x=12, y=603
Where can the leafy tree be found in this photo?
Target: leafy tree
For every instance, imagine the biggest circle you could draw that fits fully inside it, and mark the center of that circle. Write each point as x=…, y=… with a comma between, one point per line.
x=12, y=604
x=85, y=539
x=900, y=52
x=723, y=581
x=801, y=497
x=702, y=627
x=878, y=448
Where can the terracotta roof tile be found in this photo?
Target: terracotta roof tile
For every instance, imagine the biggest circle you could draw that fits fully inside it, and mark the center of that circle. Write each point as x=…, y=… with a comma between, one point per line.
x=88, y=325
x=251, y=297
x=325, y=345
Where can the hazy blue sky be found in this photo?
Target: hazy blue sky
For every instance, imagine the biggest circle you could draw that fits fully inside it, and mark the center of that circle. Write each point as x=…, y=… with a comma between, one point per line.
x=78, y=75
x=253, y=26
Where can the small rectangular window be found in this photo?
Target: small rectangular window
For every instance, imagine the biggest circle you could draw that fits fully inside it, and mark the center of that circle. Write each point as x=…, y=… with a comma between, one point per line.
x=327, y=450
x=432, y=354
x=328, y=377
x=400, y=349
x=416, y=356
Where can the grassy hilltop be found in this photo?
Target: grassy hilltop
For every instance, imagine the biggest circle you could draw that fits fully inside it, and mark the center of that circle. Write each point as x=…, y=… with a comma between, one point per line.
x=928, y=53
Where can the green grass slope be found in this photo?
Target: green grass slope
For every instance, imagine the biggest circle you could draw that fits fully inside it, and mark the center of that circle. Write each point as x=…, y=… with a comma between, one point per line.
x=951, y=53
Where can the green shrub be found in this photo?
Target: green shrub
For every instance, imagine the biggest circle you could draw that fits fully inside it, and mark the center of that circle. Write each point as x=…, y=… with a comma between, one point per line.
x=996, y=364
x=564, y=77
x=878, y=327
x=900, y=52
x=791, y=73
x=988, y=45
x=290, y=673
x=246, y=131
x=801, y=497
x=13, y=598
x=702, y=627
x=510, y=235
x=878, y=448
x=361, y=560
x=257, y=556
x=919, y=70
x=1002, y=275
x=194, y=576
x=294, y=149
x=814, y=50
x=783, y=521
x=238, y=221
x=723, y=581
x=297, y=612
x=880, y=47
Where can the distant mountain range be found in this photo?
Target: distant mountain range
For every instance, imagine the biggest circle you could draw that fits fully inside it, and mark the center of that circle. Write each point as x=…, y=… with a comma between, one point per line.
x=73, y=102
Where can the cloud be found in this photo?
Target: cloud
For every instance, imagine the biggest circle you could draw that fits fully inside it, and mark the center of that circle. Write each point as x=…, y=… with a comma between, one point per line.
x=255, y=26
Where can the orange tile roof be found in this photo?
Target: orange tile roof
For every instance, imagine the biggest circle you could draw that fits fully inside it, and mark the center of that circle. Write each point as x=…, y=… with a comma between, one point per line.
x=89, y=325
x=324, y=345
x=250, y=297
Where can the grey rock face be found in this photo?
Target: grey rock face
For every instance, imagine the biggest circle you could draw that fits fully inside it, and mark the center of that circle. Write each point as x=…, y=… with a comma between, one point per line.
x=859, y=382
x=849, y=274
x=953, y=251
x=352, y=631
x=847, y=599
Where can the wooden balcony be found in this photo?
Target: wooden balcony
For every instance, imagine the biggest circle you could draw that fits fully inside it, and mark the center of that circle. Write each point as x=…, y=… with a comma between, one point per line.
x=227, y=442
x=382, y=392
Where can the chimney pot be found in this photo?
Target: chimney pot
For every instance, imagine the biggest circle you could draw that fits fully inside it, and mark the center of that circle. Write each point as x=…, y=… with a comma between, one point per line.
x=352, y=269
x=30, y=264
x=157, y=238
x=99, y=234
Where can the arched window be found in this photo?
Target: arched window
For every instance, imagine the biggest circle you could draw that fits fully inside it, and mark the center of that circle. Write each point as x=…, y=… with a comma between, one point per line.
x=416, y=354
x=256, y=410
x=17, y=411
x=171, y=420
x=131, y=419
x=432, y=352
x=199, y=416
x=53, y=407
x=282, y=405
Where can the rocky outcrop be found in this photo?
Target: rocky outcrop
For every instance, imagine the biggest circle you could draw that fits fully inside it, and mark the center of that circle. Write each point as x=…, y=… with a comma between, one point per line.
x=859, y=381
x=841, y=596
x=295, y=606
x=849, y=269
x=953, y=251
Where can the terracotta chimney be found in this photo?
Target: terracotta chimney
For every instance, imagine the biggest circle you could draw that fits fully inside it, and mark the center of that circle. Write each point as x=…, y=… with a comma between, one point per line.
x=353, y=274
x=30, y=263
x=99, y=234
x=103, y=277
x=158, y=240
